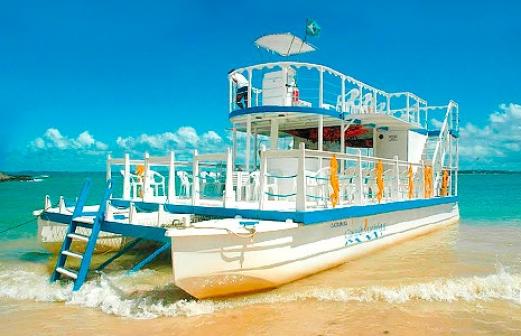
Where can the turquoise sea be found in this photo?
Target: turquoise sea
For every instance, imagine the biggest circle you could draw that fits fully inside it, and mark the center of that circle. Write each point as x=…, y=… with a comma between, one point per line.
x=463, y=280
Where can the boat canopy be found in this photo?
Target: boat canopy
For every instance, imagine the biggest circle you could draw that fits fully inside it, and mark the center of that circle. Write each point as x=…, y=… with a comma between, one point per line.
x=284, y=44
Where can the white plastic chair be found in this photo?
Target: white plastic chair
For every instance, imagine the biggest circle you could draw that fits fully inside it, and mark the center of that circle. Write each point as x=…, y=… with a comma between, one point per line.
x=253, y=185
x=184, y=186
x=317, y=185
x=368, y=103
x=136, y=182
x=349, y=102
x=156, y=182
x=380, y=108
x=347, y=184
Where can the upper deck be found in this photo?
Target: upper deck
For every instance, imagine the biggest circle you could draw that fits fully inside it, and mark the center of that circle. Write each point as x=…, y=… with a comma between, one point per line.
x=297, y=87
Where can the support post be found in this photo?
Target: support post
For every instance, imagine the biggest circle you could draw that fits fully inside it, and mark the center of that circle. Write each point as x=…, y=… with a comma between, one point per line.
x=234, y=144
x=171, y=177
x=388, y=104
x=274, y=133
x=61, y=205
x=263, y=197
x=131, y=212
x=230, y=94
x=396, y=192
x=359, y=179
x=228, y=186
x=146, y=182
x=47, y=202
x=250, y=84
x=342, y=144
x=343, y=97
x=301, y=179
x=255, y=150
x=126, y=177
x=321, y=88
x=195, y=179
x=248, y=145
x=121, y=252
x=422, y=179
x=321, y=133
x=150, y=258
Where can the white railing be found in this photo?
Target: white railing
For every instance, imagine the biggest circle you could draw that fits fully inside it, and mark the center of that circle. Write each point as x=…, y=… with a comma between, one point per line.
x=312, y=85
x=307, y=183
x=141, y=181
x=288, y=179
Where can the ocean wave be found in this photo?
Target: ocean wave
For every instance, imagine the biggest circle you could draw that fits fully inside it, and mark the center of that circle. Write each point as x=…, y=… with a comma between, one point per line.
x=116, y=294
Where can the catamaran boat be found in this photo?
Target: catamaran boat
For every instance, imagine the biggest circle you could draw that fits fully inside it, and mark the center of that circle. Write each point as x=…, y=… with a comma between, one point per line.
x=322, y=168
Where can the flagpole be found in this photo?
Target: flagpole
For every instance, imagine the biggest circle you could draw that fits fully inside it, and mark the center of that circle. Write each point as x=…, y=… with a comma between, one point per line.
x=305, y=37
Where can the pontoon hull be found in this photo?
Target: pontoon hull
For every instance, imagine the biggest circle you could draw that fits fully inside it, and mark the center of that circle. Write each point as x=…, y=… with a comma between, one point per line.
x=221, y=265
x=51, y=235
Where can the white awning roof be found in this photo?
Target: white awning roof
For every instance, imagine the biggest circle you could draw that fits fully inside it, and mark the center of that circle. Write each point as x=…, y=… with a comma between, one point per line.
x=284, y=44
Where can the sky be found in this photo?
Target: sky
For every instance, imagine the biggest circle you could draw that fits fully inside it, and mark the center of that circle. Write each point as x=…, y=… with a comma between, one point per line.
x=81, y=79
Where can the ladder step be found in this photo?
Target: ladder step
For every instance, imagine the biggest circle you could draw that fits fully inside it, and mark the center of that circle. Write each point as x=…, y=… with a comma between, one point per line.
x=72, y=254
x=69, y=273
x=78, y=236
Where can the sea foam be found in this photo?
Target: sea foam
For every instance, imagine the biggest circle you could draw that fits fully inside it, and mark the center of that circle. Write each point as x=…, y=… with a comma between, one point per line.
x=113, y=294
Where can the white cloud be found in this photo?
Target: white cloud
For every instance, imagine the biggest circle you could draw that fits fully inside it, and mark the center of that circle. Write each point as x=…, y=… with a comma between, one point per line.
x=495, y=145
x=184, y=140
x=53, y=139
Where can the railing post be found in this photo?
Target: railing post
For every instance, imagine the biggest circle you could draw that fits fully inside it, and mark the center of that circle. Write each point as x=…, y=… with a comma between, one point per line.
x=195, y=179
x=108, y=171
x=321, y=87
x=422, y=179
x=342, y=144
x=359, y=179
x=250, y=77
x=171, y=177
x=407, y=107
x=61, y=205
x=234, y=144
x=255, y=150
x=248, y=144
x=126, y=177
x=375, y=100
x=230, y=94
x=418, y=121
x=228, y=186
x=360, y=108
x=263, y=179
x=396, y=193
x=146, y=182
x=301, y=179
x=321, y=132
x=343, y=97
x=389, y=104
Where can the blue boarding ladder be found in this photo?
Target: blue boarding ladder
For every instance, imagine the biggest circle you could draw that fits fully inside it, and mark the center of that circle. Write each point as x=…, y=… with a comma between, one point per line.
x=80, y=275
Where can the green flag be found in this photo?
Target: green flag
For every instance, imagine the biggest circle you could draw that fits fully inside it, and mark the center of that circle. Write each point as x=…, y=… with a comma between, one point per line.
x=312, y=28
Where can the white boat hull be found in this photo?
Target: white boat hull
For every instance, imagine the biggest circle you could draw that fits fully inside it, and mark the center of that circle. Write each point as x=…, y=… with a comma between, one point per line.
x=217, y=264
x=51, y=235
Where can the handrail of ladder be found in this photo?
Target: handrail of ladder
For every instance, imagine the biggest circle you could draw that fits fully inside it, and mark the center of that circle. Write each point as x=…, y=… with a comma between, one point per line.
x=437, y=150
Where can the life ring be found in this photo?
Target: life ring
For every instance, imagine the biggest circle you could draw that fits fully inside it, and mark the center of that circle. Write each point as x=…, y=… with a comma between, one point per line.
x=295, y=95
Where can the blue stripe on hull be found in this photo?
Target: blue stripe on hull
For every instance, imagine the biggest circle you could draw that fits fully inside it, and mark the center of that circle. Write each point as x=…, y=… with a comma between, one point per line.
x=305, y=217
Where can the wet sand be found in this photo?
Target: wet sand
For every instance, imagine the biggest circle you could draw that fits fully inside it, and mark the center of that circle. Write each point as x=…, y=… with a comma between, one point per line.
x=461, y=280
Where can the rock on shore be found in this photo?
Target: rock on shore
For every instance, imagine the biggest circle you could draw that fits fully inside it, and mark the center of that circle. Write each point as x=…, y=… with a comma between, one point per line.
x=6, y=178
